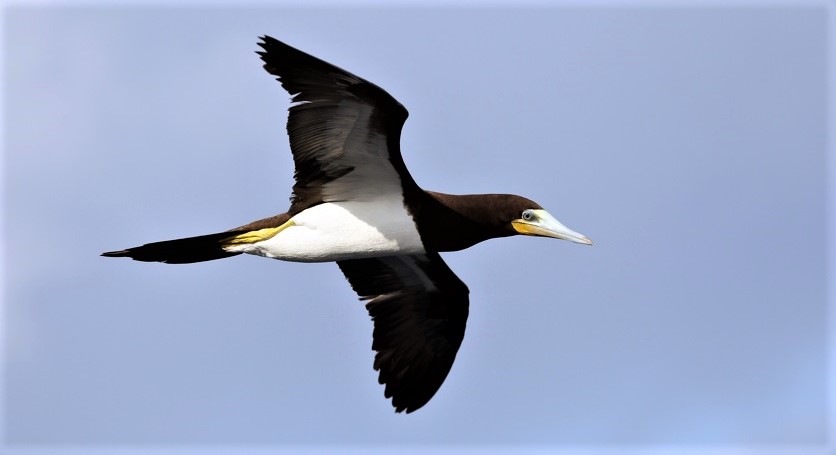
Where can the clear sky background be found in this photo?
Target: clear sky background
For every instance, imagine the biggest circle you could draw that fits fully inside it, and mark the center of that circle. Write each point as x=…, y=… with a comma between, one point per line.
x=690, y=143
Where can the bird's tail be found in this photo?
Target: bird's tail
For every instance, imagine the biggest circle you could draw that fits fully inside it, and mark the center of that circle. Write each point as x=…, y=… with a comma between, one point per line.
x=181, y=251
x=207, y=247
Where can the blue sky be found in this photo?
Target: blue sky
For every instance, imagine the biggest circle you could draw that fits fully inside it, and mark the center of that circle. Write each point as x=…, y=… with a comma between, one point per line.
x=689, y=143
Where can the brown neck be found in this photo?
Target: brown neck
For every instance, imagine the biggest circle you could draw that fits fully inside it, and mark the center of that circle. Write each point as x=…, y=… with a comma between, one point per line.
x=449, y=222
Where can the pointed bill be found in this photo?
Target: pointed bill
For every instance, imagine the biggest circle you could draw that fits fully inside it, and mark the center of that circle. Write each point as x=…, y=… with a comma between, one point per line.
x=545, y=225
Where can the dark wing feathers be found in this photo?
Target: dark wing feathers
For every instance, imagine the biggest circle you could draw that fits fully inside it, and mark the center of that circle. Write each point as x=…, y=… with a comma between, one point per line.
x=419, y=308
x=339, y=125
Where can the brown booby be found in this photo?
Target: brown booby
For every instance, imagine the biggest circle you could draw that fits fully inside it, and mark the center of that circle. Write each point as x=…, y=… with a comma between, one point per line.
x=354, y=202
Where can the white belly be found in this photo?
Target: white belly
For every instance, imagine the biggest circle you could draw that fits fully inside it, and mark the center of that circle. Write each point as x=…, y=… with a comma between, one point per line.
x=336, y=231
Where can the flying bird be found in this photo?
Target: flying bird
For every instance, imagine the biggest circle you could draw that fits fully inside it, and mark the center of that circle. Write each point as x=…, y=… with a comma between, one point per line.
x=354, y=202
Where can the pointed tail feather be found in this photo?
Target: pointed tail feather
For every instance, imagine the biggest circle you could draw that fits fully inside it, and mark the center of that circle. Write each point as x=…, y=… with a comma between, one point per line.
x=180, y=251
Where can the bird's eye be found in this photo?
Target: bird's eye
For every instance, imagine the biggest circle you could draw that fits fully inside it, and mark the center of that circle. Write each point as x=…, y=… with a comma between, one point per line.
x=527, y=215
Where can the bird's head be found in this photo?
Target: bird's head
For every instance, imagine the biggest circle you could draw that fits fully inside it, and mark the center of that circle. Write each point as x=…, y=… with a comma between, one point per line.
x=462, y=221
x=526, y=217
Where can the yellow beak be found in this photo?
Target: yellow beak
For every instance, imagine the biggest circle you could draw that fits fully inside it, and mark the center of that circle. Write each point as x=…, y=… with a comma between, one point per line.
x=545, y=225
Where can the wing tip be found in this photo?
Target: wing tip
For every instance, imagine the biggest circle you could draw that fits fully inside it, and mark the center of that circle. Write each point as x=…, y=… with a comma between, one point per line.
x=268, y=41
x=407, y=408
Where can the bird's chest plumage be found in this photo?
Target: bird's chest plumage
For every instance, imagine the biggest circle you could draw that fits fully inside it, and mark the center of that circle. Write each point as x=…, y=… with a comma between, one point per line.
x=337, y=231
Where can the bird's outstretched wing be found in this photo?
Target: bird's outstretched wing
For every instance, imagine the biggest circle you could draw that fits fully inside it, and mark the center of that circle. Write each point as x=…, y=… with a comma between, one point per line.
x=344, y=131
x=419, y=308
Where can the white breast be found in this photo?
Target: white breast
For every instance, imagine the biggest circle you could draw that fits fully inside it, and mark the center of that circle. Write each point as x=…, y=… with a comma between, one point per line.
x=336, y=231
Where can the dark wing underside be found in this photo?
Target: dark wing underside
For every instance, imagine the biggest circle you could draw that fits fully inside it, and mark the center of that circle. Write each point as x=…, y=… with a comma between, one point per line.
x=344, y=131
x=419, y=308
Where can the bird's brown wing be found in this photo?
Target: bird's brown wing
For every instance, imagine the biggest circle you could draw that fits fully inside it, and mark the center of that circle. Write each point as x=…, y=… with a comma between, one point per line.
x=419, y=308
